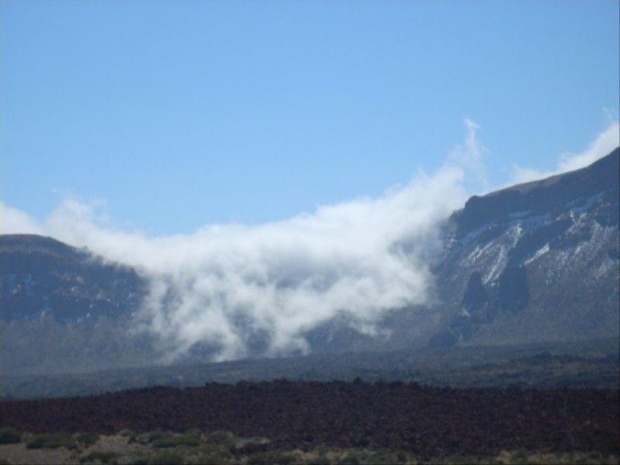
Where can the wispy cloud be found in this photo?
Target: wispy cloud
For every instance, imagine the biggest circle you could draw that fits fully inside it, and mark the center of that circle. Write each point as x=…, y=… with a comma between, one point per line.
x=602, y=145
x=470, y=154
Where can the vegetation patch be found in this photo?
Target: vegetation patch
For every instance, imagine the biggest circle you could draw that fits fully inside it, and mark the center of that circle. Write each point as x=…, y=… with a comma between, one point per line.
x=117, y=450
x=10, y=436
x=86, y=439
x=51, y=441
x=167, y=458
x=272, y=458
x=189, y=439
x=426, y=421
x=222, y=438
x=100, y=457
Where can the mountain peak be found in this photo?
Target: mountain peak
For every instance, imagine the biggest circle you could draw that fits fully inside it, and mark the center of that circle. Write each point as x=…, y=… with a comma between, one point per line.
x=545, y=195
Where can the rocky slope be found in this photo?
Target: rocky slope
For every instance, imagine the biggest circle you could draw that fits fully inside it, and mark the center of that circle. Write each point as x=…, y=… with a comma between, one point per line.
x=535, y=262
x=65, y=310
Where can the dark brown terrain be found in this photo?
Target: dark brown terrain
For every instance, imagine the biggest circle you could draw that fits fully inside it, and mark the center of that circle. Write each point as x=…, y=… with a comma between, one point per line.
x=428, y=421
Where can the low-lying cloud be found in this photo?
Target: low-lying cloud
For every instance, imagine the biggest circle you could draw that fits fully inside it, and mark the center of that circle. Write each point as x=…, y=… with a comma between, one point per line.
x=361, y=258
x=358, y=259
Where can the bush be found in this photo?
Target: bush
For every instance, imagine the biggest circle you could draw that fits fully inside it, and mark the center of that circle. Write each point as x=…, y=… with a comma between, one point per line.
x=127, y=433
x=155, y=436
x=212, y=459
x=190, y=439
x=271, y=458
x=321, y=460
x=87, y=439
x=166, y=459
x=215, y=450
x=51, y=441
x=99, y=457
x=462, y=459
x=10, y=436
x=139, y=460
x=520, y=456
x=223, y=438
x=350, y=460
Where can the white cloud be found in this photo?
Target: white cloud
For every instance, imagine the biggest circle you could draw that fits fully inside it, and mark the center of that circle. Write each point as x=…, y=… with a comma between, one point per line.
x=470, y=154
x=361, y=258
x=602, y=145
x=13, y=221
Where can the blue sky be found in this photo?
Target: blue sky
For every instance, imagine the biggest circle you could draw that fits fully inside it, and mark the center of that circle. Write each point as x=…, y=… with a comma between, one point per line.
x=181, y=114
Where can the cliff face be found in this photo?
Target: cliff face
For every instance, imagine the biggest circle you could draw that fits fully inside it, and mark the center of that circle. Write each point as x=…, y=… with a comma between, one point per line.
x=535, y=262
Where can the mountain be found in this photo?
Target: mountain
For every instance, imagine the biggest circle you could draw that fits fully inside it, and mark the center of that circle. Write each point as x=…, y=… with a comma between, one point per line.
x=64, y=309
x=533, y=263
x=42, y=276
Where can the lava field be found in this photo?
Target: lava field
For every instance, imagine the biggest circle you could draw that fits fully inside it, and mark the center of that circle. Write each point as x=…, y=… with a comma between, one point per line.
x=428, y=421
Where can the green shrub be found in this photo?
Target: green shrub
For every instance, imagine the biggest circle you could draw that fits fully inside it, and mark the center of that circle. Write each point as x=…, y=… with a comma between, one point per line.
x=190, y=439
x=166, y=459
x=139, y=460
x=216, y=450
x=157, y=435
x=271, y=458
x=100, y=457
x=350, y=460
x=224, y=438
x=321, y=460
x=405, y=456
x=519, y=456
x=10, y=436
x=87, y=439
x=131, y=435
x=462, y=460
x=380, y=458
x=212, y=459
x=51, y=441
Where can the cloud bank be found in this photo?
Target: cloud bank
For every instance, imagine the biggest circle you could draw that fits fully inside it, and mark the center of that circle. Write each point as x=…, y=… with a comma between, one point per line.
x=215, y=287
x=361, y=258
x=225, y=285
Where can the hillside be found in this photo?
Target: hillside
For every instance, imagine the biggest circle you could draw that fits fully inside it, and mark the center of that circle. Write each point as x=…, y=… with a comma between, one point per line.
x=533, y=263
x=65, y=310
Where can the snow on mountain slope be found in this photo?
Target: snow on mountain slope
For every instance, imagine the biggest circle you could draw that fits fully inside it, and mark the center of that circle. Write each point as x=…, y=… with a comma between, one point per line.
x=535, y=262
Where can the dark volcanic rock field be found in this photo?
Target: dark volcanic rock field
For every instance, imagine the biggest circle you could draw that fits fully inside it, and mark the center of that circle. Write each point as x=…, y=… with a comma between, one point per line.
x=428, y=421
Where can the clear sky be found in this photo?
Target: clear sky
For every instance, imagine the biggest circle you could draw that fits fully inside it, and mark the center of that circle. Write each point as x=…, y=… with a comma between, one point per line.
x=179, y=114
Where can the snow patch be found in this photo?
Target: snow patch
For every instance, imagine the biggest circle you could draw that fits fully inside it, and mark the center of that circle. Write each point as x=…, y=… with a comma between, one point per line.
x=539, y=253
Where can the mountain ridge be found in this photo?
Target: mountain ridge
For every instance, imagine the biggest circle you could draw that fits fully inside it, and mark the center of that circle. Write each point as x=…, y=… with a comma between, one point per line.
x=509, y=247
x=529, y=263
